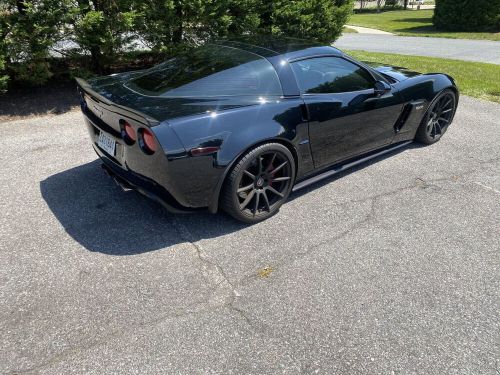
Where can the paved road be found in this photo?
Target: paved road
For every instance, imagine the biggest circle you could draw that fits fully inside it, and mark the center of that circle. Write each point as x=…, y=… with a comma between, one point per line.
x=460, y=49
x=390, y=269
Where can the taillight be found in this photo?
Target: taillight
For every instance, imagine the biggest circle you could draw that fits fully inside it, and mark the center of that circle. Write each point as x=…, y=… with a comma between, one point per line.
x=147, y=141
x=128, y=132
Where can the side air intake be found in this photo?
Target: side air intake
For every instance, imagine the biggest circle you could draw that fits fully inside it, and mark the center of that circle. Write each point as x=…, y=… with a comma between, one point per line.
x=403, y=117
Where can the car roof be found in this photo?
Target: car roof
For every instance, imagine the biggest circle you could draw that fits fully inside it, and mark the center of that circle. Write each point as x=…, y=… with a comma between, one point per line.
x=272, y=46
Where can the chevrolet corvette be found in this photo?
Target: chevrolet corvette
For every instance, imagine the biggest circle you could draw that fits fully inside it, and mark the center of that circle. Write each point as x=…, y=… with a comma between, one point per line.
x=239, y=124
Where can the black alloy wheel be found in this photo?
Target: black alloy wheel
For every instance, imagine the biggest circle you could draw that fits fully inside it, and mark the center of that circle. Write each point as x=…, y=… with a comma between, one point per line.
x=437, y=118
x=259, y=183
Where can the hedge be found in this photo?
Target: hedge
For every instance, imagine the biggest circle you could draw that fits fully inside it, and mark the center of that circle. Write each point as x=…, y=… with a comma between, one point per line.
x=32, y=31
x=467, y=15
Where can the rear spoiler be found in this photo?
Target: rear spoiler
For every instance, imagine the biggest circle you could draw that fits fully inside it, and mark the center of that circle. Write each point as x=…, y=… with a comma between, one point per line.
x=85, y=88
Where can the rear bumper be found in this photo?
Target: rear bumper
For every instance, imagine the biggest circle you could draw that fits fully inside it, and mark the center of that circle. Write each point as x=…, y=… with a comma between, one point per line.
x=170, y=176
x=129, y=180
x=132, y=169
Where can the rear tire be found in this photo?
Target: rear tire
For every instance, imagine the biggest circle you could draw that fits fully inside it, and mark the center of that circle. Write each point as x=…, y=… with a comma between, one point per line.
x=259, y=183
x=438, y=118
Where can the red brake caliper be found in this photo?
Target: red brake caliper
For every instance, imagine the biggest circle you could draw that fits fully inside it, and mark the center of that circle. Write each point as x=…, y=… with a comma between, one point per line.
x=270, y=168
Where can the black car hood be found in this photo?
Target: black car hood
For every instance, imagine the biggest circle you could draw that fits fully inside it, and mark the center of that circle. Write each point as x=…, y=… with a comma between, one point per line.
x=396, y=72
x=114, y=89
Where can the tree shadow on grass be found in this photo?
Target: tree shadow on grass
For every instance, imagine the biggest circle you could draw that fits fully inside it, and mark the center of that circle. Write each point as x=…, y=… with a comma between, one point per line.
x=429, y=28
x=415, y=20
x=418, y=30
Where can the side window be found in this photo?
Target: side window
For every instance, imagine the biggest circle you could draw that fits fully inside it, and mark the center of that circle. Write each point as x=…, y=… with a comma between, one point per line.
x=330, y=75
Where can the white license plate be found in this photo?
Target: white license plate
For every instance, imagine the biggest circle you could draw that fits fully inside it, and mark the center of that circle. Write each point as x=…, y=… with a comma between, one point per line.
x=107, y=143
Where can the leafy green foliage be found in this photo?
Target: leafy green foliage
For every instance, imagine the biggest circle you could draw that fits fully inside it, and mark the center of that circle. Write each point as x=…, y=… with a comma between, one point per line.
x=467, y=15
x=28, y=30
x=3, y=77
x=100, y=31
x=322, y=20
x=171, y=24
x=103, y=28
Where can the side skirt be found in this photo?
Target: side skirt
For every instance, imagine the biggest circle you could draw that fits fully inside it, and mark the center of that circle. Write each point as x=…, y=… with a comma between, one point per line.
x=340, y=168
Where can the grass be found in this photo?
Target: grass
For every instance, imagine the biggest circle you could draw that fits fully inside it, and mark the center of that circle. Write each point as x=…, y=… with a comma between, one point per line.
x=412, y=23
x=479, y=80
x=348, y=30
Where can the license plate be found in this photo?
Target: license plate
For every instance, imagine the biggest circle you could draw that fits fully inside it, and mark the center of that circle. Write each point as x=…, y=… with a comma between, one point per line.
x=107, y=143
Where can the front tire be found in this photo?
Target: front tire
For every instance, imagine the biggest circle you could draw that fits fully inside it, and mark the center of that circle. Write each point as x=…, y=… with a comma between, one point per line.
x=438, y=118
x=259, y=183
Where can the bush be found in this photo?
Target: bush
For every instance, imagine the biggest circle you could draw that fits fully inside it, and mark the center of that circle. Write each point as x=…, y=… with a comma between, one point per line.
x=104, y=30
x=29, y=30
x=322, y=20
x=3, y=77
x=467, y=15
x=101, y=31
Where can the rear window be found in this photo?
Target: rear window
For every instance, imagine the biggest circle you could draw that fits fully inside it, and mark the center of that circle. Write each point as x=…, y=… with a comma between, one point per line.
x=209, y=71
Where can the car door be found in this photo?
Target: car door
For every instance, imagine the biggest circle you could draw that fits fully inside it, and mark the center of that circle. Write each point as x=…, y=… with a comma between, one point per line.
x=346, y=117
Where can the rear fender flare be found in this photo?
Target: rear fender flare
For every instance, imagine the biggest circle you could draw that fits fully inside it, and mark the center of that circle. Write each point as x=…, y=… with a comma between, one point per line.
x=214, y=202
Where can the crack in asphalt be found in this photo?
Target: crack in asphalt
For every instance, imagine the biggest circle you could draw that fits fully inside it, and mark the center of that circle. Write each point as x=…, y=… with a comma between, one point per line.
x=231, y=288
x=217, y=271
x=370, y=216
x=419, y=183
x=487, y=187
x=113, y=334
x=215, y=274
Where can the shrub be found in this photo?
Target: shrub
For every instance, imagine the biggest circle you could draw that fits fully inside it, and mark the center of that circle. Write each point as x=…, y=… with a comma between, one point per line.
x=103, y=31
x=391, y=3
x=3, y=77
x=29, y=30
x=322, y=20
x=33, y=31
x=467, y=15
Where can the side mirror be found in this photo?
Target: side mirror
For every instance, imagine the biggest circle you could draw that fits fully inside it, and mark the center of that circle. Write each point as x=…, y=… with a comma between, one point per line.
x=381, y=88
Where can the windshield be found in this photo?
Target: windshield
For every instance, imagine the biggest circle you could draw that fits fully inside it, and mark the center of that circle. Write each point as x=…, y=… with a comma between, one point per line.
x=209, y=71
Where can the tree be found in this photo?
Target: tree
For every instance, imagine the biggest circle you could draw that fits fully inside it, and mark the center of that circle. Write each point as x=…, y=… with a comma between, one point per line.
x=467, y=15
x=29, y=30
x=322, y=20
x=95, y=33
x=169, y=25
x=3, y=77
x=103, y=28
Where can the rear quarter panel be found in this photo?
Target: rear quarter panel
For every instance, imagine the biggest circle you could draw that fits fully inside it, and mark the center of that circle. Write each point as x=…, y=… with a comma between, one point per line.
x=235, y=131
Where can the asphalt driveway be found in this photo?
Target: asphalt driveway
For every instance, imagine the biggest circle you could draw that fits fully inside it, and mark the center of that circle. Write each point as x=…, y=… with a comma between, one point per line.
x=487, y=51
x=392, y=268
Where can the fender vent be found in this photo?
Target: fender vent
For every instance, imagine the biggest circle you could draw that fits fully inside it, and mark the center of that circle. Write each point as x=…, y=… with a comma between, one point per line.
x=305, y=112
x=403, y=117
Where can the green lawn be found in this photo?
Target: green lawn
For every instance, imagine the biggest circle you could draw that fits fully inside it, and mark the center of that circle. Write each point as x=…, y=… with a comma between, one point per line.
x=348, y=30
x=479, y=80
x=412, y=23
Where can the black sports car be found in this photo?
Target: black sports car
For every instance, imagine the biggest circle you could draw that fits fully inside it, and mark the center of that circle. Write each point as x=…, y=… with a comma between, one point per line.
x=240, y=124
